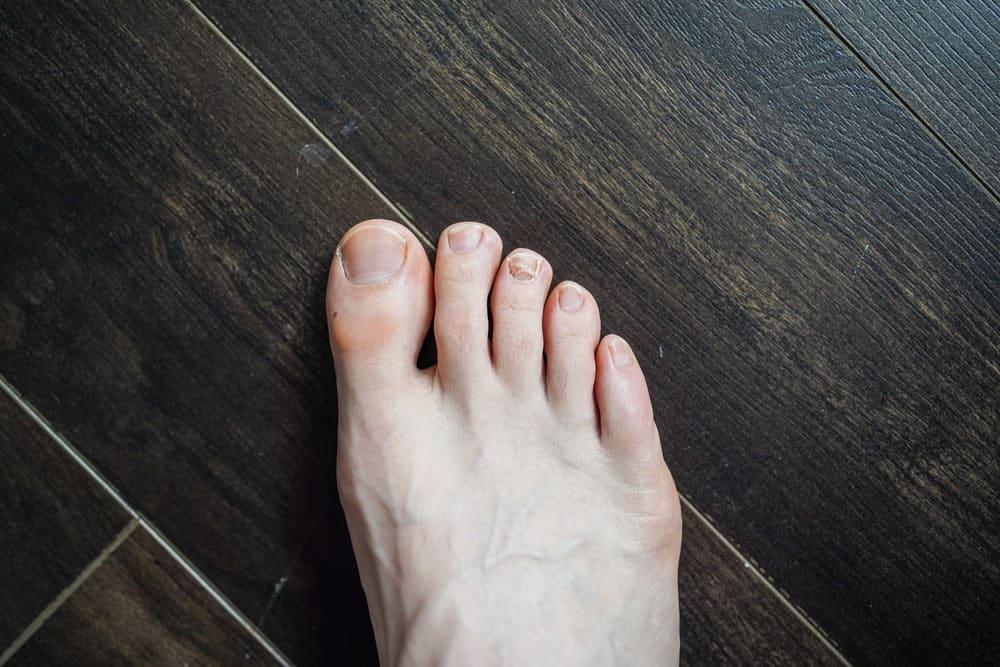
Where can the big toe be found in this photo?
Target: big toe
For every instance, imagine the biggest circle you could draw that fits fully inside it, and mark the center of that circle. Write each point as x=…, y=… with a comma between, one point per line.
x=379, y=301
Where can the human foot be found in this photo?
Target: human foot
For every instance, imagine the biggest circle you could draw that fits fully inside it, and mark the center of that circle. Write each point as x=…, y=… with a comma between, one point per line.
x=498, y=513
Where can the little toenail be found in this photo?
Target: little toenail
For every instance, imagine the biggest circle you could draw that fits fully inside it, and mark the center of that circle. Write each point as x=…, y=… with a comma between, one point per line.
x=372, y=255
x=570, y=299
x=464, y=239
x=621, y=353
x=524, y=266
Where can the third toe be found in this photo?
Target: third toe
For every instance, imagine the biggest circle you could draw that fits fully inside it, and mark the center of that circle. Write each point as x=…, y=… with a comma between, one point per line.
x=517, y=303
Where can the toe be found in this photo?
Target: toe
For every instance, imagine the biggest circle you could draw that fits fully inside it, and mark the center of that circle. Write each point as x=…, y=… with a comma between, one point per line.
x=626, y=413
x=467, y=258
x=517, y=303
x=379, y=300
x=572, y=327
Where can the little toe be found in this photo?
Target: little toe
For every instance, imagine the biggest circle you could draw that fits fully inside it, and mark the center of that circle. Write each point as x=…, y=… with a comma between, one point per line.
x=626, y=412
x=379, y=300
x=572, y=327
x=467, y=258
x=517, y=302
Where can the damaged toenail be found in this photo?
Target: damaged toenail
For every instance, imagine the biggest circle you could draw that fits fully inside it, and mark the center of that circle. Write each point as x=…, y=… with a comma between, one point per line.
x=464, y=239
x=372, y=255
x=570, y=298
x=524, y=266
x=621, y=353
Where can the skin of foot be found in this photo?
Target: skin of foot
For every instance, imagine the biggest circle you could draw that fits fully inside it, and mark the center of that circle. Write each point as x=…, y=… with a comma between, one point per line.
x=510, y=505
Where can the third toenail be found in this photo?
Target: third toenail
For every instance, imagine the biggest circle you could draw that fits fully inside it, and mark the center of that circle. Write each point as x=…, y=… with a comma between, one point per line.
x=372, y=255
x=464, y=239
x=570, y=298
x=524, y=266
x=621, y=353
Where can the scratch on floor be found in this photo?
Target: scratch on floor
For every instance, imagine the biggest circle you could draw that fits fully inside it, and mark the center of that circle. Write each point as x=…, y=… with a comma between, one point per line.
x=279, y=586
x=313, y=155
x=861, y=258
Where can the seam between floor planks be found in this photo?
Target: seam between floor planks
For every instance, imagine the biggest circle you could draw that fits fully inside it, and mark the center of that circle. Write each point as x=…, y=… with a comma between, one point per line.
x=927, y=127
x=748, y=563
x=53, y=606
x=137, y=520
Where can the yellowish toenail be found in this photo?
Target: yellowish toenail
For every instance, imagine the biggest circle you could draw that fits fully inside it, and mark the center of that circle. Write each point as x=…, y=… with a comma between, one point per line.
x=570, y=298
x=524, y=266
x=465, y=238
x=621, y=353
x=372, y=255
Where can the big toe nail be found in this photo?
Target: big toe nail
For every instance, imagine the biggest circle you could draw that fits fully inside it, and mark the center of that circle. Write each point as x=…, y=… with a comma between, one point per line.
x=372, y=255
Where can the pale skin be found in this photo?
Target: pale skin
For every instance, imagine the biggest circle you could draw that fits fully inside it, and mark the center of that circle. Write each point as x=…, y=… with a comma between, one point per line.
x=510, y=505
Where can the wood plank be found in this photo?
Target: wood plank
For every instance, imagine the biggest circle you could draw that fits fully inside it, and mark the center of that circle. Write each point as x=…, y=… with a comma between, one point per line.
x=55, y=519
x=140, y=607
x=162, y=262
x=167, y=227
x=810, y=280
x=942, y=58
x=729, y=617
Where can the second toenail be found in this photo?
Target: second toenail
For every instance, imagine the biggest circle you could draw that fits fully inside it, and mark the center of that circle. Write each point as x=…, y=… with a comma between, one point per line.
x=570, y=299
x=621, y=353
x=464, y=239
x=524, y=266
x=372, y=255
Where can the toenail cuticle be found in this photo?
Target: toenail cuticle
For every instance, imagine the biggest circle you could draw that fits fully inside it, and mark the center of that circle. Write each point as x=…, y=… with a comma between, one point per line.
x=621, y=353
x=372, y=255
x=465, y=238
x=570, y=298
x=524, y=266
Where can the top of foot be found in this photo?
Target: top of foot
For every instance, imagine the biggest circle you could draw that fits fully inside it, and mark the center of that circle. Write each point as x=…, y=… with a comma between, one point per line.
x=509, y=505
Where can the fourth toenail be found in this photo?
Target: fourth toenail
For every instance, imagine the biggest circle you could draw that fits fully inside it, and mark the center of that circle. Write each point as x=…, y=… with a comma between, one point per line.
x=372, y=255
x=621, y=353
x=524, y=266
x=570, y=299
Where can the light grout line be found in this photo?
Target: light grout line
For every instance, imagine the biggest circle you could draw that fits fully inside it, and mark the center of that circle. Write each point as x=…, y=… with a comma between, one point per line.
x=52, y=607
x=752, y=567
x=138, y=519
x=811, y=625
x=221, y=599
x=884, y=83
x=43, y=423
x=403, y=218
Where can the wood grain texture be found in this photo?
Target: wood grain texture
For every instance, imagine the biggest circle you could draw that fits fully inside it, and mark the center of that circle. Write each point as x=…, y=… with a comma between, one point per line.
x=942, y=58
x=729, y=617
x=163, y=259
x=810, y=280
x=140, y=607
x=54, y=519
x=167, y=228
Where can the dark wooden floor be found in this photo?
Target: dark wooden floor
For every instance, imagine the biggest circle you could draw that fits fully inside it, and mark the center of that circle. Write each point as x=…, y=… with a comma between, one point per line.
x=790, y=208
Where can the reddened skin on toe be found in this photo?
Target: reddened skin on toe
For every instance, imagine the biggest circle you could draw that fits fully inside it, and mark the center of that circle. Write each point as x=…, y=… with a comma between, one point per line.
x=379, y=299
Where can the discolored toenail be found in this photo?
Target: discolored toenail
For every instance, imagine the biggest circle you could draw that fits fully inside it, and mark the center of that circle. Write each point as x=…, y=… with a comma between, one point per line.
x=621, y=353
x=465, y=238
x=570, y=298
x=524, y=266
x=372, y=255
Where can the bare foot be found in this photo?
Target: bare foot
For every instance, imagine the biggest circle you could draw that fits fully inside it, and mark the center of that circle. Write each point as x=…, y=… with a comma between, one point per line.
x=505, y=506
